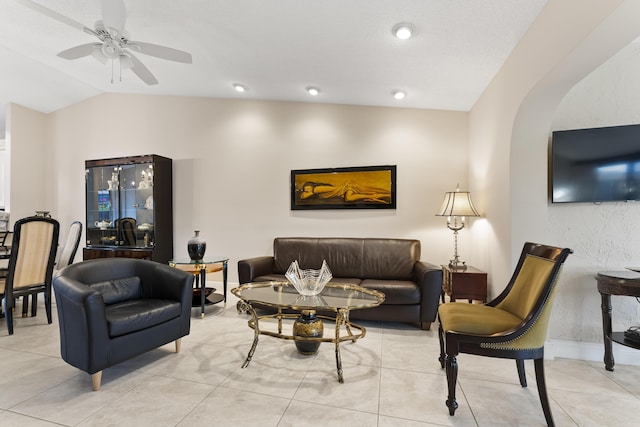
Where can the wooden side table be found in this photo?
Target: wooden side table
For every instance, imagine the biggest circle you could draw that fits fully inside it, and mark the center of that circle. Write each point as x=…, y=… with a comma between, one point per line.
x=626, y=283
x=469, y=284
x=199, y=269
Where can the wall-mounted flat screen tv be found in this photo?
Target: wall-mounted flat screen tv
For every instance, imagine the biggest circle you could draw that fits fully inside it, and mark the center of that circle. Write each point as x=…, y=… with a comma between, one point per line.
x=596, y=165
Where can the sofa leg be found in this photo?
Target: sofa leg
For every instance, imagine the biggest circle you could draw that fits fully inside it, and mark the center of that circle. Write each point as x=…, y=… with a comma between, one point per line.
x=178, y=342
x=96, y=379
x=425, y=326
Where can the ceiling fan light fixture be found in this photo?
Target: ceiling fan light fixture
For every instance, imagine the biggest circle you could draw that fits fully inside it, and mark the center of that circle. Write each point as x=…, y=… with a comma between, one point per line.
x=313, y=91
x=239, y=88
x=97, y=54
x=403, y=31
x=110, y=50
x=399, y=94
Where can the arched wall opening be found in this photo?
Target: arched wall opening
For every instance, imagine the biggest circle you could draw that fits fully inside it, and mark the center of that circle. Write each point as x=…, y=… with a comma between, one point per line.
x=529, y=204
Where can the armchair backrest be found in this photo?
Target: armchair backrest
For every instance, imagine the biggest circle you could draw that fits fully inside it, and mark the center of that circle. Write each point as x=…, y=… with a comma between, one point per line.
x=530, y=293
x=119, y=290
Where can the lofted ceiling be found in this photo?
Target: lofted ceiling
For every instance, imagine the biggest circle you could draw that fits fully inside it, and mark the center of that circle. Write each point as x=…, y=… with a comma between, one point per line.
x=276, y=48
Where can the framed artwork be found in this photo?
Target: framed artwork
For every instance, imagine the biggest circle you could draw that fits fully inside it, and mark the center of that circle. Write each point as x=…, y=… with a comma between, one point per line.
x=366, y=187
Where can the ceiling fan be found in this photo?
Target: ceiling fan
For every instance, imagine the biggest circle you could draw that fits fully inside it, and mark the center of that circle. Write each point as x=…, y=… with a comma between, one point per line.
x=114, y=43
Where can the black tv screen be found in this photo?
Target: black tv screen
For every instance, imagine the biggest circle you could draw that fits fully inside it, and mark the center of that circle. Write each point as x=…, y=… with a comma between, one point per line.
x=596, y=165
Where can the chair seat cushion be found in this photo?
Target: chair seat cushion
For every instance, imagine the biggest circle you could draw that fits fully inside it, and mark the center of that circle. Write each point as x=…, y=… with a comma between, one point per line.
x=475, y=318
x=135, y=315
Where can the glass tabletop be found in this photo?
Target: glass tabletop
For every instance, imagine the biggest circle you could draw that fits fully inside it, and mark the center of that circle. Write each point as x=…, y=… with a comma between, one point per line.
x=212, y=259
x=333, y=297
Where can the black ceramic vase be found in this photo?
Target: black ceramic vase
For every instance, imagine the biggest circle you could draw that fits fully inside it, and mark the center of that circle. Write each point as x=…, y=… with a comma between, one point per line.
x=196, y=246
x=307, y=326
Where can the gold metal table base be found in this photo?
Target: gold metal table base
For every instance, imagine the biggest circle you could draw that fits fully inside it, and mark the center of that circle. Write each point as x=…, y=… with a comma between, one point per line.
x=342, y=318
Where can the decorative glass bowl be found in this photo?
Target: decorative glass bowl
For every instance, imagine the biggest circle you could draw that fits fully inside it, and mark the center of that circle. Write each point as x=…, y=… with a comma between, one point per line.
x=308, y=282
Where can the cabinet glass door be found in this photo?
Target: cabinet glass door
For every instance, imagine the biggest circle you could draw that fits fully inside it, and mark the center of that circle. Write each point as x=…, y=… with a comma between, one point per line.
x=136, y=205
x=102, y=205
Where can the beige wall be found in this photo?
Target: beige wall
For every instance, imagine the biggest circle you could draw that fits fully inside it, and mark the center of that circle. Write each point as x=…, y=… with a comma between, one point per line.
x=232, y=161
x=509, y=132
x=27, y=169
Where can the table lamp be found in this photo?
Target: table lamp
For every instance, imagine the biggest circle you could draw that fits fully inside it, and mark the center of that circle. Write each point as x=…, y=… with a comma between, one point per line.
x=457, y=204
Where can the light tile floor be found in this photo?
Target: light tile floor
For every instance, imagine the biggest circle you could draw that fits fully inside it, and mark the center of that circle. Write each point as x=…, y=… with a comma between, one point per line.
x=392, y=379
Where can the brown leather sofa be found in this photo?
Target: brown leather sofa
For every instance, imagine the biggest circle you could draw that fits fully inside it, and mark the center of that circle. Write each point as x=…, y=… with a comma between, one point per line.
x=392, y=266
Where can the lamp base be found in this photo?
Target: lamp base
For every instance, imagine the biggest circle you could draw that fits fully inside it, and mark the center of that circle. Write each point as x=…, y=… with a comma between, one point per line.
x=456, y=264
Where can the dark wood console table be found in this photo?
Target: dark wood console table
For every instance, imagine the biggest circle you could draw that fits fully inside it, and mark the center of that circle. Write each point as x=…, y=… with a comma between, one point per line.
x=625, y=283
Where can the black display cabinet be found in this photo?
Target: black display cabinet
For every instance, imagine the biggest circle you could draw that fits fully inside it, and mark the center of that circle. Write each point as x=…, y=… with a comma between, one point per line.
x=129, y=208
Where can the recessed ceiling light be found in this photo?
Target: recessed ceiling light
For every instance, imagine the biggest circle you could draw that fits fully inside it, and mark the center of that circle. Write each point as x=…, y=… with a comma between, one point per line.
x=403, y=31
x=313, y=91
x=239, y=88
x=398, y=94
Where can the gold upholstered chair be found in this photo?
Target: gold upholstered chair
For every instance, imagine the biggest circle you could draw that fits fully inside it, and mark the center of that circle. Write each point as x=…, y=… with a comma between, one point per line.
x=512, y=326
x=33, y=252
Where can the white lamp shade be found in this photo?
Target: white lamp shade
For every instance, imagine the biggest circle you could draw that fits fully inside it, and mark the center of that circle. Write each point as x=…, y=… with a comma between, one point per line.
x=457, y=203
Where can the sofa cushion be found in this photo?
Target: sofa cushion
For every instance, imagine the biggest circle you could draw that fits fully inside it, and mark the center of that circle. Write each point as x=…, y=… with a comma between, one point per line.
x=395, y=291
x=119, y=290
x=135, y=315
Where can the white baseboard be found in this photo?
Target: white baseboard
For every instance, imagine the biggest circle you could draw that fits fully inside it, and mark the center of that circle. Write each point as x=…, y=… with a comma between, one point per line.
x=593, y=352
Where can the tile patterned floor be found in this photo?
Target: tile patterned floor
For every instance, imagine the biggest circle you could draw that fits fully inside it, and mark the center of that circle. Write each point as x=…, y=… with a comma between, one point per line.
x=392, y=379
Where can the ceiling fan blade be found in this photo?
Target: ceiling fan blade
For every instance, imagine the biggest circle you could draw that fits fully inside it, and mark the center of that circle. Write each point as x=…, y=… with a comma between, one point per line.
x=161, y=51
x=114, y=15
x=79, y=51
x=125, y=61
x=55, y=15
x=142, y=71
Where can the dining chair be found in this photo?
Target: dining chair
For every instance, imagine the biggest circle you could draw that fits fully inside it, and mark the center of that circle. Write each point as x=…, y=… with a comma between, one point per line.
x=33, y=252
x=68, y=252
x=511, y=326
x=126, y=228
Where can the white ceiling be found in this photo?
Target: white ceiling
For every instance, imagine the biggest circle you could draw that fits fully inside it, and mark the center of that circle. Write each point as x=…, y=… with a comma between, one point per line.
x=274, y=47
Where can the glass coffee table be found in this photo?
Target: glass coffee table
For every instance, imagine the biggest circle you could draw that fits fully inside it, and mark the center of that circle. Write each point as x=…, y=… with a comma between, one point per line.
x=308, y=327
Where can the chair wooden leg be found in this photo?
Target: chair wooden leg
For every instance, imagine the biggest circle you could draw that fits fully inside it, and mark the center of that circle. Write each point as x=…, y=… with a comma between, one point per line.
x=452, y=375
x=542, y=391
x=96, y=379
x=522, y=375
x=34, y=305
x=425, y=326
x=178, y=343
x=25, y=306
x=47, y=307
x=442, y=355
x=8, y=317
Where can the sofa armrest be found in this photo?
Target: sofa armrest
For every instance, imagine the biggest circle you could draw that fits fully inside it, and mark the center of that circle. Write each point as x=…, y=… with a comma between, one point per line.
x=84, y=334
x=429, y=277
x=249, y=269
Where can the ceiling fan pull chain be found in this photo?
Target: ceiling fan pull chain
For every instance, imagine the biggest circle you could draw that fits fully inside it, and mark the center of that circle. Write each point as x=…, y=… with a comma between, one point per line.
x=112, y=71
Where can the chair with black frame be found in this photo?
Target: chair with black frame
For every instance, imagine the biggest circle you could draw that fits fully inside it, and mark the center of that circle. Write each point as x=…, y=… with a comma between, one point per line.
x=68, y=252
x=126, y=231
x=512, y=326
x=33, y=251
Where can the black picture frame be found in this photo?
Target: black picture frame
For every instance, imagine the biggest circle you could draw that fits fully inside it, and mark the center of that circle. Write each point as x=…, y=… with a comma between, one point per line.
x=362, y=187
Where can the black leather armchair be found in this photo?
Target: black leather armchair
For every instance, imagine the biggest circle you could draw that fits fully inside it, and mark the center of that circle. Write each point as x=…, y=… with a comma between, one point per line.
x=111, y=310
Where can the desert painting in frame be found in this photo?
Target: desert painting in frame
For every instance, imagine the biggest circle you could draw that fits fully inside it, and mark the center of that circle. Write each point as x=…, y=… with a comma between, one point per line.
x=365, y=187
